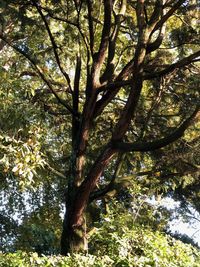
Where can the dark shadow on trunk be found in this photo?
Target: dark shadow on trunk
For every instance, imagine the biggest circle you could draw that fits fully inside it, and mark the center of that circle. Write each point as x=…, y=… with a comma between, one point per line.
x=73, y=237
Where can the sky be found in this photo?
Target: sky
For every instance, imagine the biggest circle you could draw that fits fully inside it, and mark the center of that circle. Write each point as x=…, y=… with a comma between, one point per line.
x=192, y=228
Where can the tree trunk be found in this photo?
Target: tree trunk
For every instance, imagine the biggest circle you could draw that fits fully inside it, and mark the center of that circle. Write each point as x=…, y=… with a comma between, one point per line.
x=73, y=237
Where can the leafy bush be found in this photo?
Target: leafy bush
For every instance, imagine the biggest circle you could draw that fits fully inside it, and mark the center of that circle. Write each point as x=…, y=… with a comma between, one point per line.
x=117, y=241
x=131, y=248
x=177, y=255
x=23, y=259
x=131, y=244
x=140, y=247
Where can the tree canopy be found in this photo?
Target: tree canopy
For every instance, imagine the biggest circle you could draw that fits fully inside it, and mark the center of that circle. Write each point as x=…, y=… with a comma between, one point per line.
x=99, y=100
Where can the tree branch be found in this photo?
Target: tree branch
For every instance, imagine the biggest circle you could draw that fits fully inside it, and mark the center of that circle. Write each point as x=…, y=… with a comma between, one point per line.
x=101, y=54
x=126, y=71
x=111, y=90
x=50, y=14
x=137, y=79
x=91, y=28
x=88, y=185
x=112, y=43
x=58, y=173
x=167, y=15
x=53, y=42
x=41, y=74
x=150, y=146
x=156, y=13
x=156, y=44
x=100, y=193
x=75, y=123
x=179, y=64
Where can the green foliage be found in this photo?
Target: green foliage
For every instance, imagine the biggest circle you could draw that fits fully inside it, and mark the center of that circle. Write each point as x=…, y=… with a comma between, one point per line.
x=36, y=136
x=131, y=244
x=119, y=239
x=117, y=245
x=22, y=259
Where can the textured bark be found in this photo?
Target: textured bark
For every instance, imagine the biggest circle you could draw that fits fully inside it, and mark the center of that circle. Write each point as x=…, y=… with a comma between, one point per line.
x=74, y=236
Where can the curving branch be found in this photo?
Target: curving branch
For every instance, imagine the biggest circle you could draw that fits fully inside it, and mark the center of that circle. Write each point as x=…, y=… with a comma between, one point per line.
x=54, y=45
x=179, y=64
x=156, y=13
x=167, y=15
x=41, y=74
x=152, y=46
x=160, y=143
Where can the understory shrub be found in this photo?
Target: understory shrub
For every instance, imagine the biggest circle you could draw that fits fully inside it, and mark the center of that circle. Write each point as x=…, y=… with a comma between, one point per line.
x=131, y=248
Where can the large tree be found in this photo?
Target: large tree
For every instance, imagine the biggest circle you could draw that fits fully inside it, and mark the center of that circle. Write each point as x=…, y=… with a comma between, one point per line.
x=122, y=75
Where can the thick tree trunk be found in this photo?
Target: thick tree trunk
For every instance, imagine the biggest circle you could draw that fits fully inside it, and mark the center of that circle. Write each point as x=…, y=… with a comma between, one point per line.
x=73, y=237
x=74, y=228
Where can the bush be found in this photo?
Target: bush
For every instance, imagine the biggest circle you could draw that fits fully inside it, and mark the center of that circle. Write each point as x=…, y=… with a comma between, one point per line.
x=117, y=241
x=134, y=248
x=23, y=259
x=130, y=244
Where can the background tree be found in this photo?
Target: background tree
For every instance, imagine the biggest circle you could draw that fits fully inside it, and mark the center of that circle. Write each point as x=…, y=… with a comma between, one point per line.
x=101, y=79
